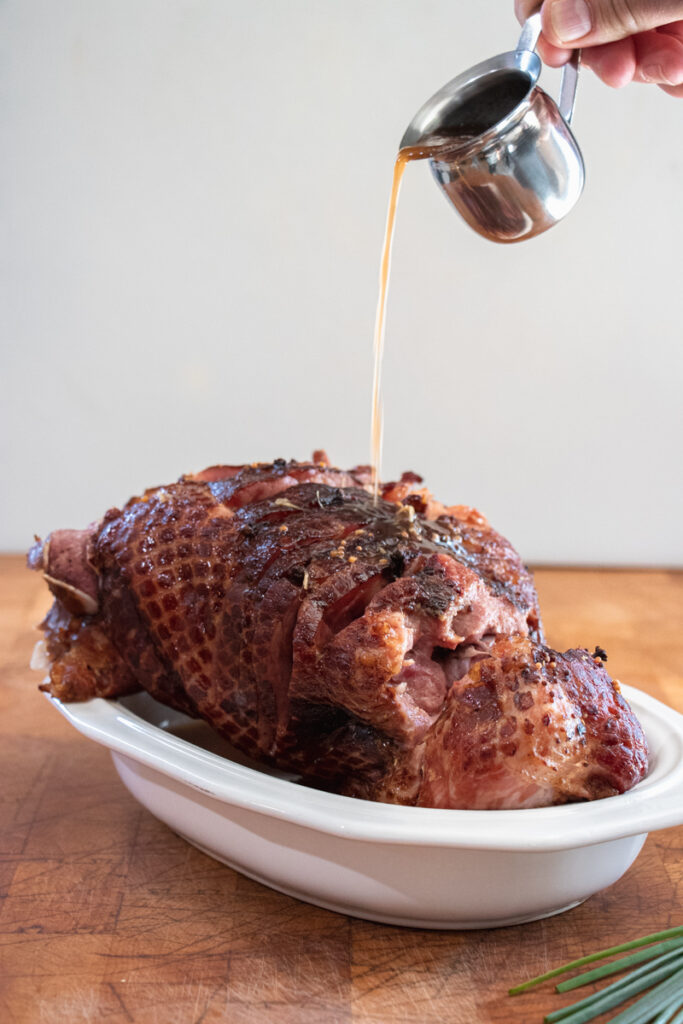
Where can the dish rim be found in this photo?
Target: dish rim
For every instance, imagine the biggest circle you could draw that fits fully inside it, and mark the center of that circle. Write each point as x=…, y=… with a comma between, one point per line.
x=654, y=803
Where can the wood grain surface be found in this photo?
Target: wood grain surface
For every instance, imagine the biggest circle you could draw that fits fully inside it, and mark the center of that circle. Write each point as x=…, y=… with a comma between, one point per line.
x=108, y=916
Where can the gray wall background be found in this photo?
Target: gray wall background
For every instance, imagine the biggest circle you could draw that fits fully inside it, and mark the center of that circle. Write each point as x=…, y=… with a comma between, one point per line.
x=193, y=195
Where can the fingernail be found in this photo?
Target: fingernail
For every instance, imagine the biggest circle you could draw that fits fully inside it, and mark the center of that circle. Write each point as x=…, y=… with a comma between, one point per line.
x=571, y=19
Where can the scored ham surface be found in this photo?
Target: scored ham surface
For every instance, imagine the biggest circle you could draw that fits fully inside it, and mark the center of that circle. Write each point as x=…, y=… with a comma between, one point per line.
x=389, y=650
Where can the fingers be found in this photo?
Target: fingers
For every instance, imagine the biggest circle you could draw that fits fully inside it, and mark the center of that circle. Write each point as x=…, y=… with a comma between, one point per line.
x=651, y=54
x=525, y=8
x=594, y=22
x=615, y=63
x=675, y=29
x=654, y=57
x=659, y=58
x=551, y=55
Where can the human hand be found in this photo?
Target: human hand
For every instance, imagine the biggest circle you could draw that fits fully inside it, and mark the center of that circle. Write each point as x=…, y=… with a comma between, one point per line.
x=621, y=40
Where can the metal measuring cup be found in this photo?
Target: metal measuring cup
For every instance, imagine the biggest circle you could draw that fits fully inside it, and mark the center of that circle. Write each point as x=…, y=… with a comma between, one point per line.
x=500, y=148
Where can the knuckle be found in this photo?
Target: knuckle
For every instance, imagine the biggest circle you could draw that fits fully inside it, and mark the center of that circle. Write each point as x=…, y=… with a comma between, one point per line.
x=624, y=15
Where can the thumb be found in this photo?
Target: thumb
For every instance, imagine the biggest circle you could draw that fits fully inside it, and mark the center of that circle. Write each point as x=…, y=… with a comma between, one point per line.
x=592, y=22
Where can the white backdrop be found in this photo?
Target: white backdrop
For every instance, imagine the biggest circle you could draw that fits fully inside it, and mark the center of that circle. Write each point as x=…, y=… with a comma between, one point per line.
x=193, y=197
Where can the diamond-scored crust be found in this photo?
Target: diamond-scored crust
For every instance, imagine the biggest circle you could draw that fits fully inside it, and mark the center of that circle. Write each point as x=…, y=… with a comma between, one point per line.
x=313, y=627
x=199, y=626
x=530, y=727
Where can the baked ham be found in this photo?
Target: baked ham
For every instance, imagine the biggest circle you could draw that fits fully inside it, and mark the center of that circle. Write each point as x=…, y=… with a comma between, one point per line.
x=389, y=650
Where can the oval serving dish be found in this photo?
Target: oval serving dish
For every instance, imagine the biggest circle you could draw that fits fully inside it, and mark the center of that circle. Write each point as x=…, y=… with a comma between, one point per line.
x=411, y=866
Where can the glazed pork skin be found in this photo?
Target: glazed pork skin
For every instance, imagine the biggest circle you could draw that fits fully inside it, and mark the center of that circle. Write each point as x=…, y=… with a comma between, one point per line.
x=529, y=727
x=315, y=629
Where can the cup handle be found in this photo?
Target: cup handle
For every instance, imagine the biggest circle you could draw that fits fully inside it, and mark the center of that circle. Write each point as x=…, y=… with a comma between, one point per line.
x=531, y=30
x=528, y=40
x=570, y=80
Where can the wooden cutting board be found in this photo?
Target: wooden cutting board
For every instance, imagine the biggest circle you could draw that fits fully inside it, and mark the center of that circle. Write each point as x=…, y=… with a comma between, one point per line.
x=108, y=916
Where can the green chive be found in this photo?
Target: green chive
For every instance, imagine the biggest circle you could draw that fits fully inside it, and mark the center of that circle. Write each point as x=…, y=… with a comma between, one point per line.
x=616, y=993
x=678, y=1019
x=619, y=965
x=665, y=1016
x=659, y=998
x=601, y=955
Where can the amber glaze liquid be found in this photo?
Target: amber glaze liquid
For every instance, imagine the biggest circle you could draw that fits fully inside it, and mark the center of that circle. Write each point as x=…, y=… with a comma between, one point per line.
x=475, y=115
x=403, y=157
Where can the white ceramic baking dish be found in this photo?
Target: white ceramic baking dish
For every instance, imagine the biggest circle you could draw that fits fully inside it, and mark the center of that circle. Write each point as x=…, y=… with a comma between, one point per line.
x=399, y=865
